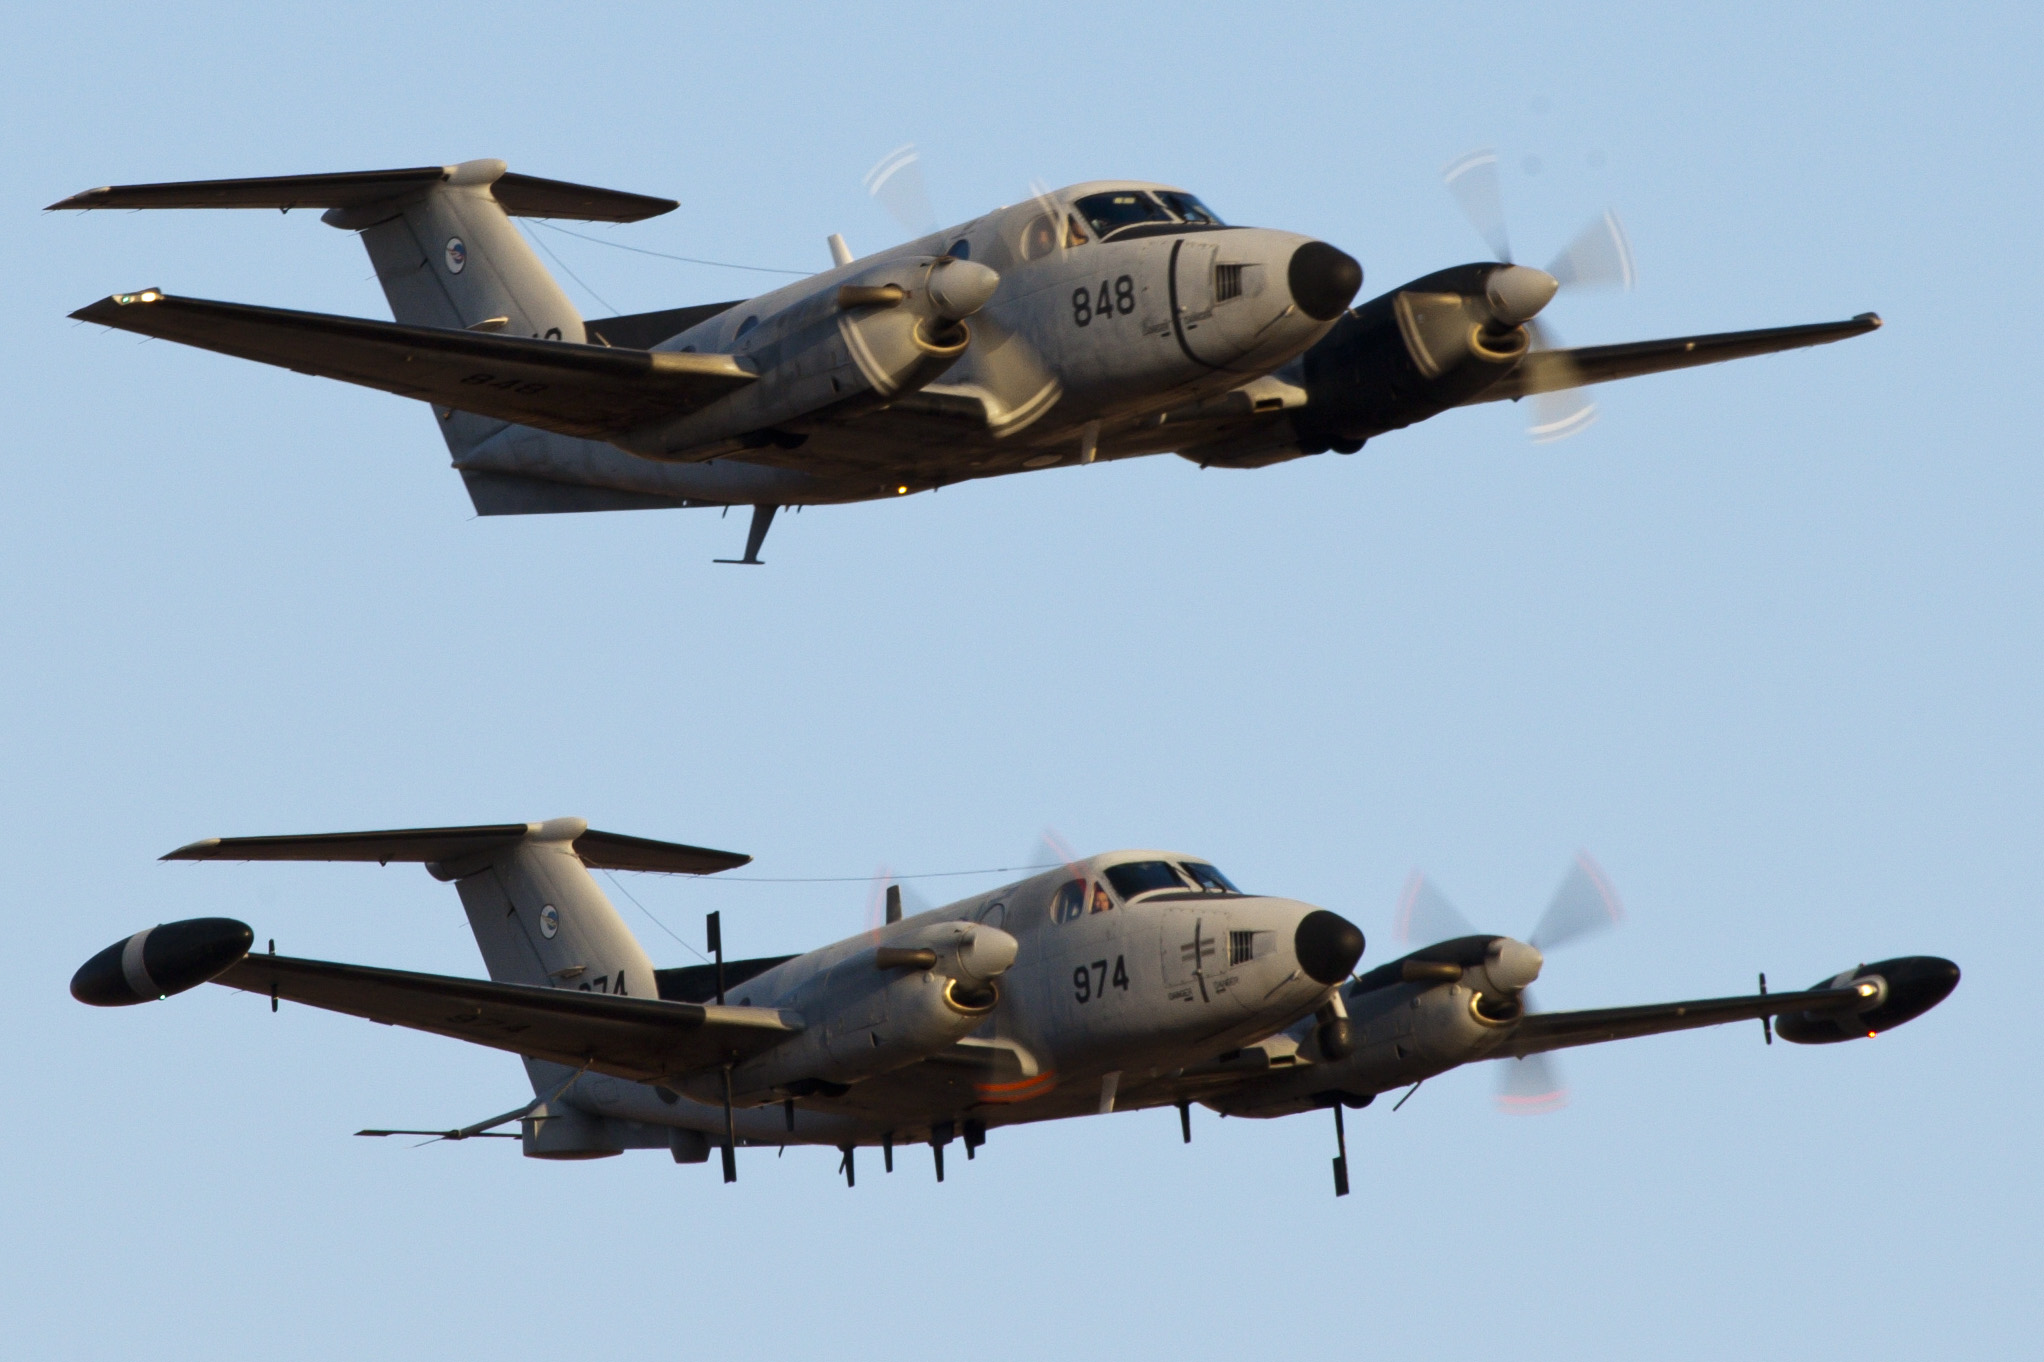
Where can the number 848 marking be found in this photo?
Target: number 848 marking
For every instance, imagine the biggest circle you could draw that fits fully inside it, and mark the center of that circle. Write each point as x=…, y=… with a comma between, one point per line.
x=1120, y=297
x=1084, y=986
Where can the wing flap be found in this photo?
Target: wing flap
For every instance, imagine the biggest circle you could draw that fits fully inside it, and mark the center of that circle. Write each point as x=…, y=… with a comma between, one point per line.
x=1553, y=370
x=1542, y=1031
x=636, y=1038
x=586, y=391
x=598, y=850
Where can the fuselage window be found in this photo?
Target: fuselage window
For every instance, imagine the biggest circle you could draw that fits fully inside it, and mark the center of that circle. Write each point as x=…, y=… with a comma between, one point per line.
x=1189, y=208
x=1069, y=903
x=1038, y=239
x=1108, y=213
x=1141, y=877
x=1210, y=879
x=745, y=326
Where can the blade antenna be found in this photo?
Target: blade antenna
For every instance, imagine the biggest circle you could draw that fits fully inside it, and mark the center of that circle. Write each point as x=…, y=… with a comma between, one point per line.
x=1340, y=1154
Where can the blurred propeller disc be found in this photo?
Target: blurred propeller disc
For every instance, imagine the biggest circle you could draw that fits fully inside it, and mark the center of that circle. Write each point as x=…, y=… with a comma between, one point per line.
x=1052, y=851
x=1586, y=903
x=1426, y=916
x=897, y=182
x=1473, y=180
x=1530, y=1086
x=1560, y=407
x=1599, y=257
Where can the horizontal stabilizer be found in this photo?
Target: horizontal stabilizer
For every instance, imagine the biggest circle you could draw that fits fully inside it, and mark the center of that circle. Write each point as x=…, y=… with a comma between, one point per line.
x=1553, y=370
x=638, y=1038
x=525, y=196
x=598, y=850
x=587, y=391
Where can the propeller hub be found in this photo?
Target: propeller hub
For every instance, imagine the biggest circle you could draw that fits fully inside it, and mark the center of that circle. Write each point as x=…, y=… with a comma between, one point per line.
x=960, y=288
x=1516, y=293
x=1511, y=965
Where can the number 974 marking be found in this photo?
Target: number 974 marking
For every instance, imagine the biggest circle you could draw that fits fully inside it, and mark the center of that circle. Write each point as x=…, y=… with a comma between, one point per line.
x=1118, y=298
x=1091, y=981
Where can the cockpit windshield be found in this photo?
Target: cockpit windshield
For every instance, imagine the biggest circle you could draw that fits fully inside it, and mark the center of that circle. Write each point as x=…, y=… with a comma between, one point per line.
x=1141, y=877
x=1210, y=879
x=1110, y=212
x=1189, y=208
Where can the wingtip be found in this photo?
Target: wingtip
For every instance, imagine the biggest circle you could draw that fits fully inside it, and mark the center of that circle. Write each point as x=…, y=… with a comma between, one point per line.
x=192, y=851
x=1872, y=320
x=80, y=201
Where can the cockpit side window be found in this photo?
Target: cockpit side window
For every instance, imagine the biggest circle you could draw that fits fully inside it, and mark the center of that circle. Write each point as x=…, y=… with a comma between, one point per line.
x=1069, y=903
x=1209, y=879
x=1189, y=208
x=1142, y=877
x=1109, y=212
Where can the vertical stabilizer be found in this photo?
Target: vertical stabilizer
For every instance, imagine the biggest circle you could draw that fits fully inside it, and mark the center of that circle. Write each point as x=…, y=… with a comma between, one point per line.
x=540, y=918
x=449, y=255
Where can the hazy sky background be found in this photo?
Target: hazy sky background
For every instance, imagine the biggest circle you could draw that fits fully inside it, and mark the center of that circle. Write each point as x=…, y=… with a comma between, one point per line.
x=1765, y=641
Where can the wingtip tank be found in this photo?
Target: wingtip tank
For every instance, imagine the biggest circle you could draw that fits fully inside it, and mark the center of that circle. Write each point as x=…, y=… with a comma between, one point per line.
x=161, y=960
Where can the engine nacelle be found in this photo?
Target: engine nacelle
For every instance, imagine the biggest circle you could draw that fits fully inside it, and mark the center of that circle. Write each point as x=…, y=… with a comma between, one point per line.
x=1896, y=991
x=863, y=341
x=159, y=961
x=884, y=1007
x=1415, y=352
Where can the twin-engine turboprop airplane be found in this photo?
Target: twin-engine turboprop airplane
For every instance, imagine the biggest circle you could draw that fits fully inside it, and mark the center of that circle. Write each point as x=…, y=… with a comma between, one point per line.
x=1101, y=321
x=1126, y=980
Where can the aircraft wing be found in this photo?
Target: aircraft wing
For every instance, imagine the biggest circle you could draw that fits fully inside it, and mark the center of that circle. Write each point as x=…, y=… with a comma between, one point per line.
x=1540, y=1031
x=1552, y=370
x=587, y=391
x=637, y=1038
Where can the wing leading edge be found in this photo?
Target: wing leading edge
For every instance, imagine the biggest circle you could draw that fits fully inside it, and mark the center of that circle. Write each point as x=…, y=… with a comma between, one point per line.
x=1553, y=370
x=635, y=1038
x=585, y=391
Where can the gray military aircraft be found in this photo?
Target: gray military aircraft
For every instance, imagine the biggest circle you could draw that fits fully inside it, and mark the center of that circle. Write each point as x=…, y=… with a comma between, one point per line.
x=1101, y=321
x=1127, y=980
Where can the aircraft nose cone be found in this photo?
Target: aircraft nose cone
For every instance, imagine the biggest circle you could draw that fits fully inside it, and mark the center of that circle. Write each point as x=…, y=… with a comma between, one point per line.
x=1323, y=280
x=1327, y=944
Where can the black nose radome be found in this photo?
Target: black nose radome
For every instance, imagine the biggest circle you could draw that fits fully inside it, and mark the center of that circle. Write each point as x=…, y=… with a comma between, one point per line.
x=161, y=961
x=1324, y=280
x=1328, y=946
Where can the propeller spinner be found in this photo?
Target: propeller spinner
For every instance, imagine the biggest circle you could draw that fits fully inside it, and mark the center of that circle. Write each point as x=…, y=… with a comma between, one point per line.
x=1597, y=257
x=1584, y=905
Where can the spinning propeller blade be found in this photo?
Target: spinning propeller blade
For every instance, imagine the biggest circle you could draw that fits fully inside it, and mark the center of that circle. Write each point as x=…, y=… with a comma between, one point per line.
x=1586, y=903
x=1530, y=1086
x=1583, y=905
x=1473, y=181
x=896, y=182
x=1599, y=256
x=1425, y=915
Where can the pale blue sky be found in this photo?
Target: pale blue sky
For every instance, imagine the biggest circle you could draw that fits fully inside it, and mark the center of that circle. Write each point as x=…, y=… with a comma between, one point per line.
x=1765, y=640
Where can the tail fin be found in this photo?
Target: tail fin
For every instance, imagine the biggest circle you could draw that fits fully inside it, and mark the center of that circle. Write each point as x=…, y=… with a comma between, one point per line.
x=537, y=914
x=440, y=237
